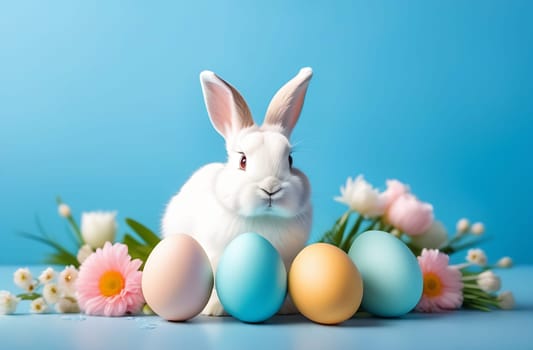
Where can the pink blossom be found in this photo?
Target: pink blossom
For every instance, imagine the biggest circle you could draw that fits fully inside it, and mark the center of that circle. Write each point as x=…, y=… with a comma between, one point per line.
x=394, y=190
x=109, y=282
x=410, y=215
x=443, y=286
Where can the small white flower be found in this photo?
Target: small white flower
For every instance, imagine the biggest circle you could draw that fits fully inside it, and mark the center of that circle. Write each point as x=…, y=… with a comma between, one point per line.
x=505, y=262
x=47, y=276
x=66, y=281
x=38, y=306
x=67, y=305
x=84, y=253
x=432, y=238
x=463, y=225
x=8, y=302
x=477, y=229
x=361, y=197
x=64, y=210
x=506, y=300
x=477, y=257
x=98, y=227
x=23, y=279
x=489, y=282
x=51, y=293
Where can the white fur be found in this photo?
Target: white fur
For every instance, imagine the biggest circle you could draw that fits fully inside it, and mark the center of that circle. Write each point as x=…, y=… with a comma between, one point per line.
x=221, y=201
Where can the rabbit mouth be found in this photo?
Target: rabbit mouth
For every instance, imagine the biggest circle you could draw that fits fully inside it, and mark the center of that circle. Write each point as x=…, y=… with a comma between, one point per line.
x=269, y=202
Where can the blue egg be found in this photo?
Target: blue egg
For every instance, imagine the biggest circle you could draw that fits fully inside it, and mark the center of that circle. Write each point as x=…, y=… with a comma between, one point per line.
x=251, y=280
x=392, y=279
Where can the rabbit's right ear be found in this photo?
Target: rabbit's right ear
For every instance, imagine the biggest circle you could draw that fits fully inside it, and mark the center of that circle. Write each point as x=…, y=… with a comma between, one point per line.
x=227, y=109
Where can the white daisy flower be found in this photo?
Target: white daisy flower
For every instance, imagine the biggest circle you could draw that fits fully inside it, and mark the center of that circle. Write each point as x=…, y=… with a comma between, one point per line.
x=66, y=281
x=38, y=306
x=476, y=257
x=47, y=275
x=23, y=279
x=51, y=293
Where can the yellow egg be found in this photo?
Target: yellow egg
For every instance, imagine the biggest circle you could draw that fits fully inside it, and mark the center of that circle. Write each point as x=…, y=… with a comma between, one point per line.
x=177, y=278
x=324, y=284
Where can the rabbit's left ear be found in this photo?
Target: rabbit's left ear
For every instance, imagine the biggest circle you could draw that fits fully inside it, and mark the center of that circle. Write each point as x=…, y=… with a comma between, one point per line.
x=287, y=103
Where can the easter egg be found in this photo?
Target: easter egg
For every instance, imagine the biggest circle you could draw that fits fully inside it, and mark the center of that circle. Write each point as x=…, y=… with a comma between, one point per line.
x=251, y=281
x=324, y=284
x=177, y=279
x=391, y=275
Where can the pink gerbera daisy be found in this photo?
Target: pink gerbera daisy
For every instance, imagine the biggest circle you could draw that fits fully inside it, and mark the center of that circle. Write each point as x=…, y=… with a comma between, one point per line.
x=109, y=282
x=443, y=287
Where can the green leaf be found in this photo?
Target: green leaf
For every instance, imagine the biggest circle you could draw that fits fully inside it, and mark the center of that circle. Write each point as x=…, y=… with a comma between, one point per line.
x=136, y=249
x=144, y=232
x=29, y=296
x=472, y=243
x=61, y=257
x=348, y=240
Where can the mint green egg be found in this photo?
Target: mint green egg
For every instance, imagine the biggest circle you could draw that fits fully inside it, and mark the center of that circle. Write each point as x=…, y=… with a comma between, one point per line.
x=392, y=279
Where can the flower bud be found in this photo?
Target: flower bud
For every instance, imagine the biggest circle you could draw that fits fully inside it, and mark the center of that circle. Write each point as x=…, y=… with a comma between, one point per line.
x=98, y=228
x=64, y=210
x=488, y=281
x=432, y=238
x=506, y=300
x=505, y=262
x=361, y=197
x=8, y=302
x=410, y=215
x=477, y=229
x=463, y=225
x=67, y=305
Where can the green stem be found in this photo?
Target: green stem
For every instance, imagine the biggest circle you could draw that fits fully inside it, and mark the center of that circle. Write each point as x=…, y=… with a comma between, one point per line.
x=75, y=229
x=73, y=224
x=348, y=240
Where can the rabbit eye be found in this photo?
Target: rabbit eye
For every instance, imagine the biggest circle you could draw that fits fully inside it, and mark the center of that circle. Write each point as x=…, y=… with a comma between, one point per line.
x=290, y=160
x=243, y=162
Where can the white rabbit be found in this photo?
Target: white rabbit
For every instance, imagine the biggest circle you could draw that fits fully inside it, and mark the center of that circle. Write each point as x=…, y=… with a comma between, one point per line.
x=257, y=190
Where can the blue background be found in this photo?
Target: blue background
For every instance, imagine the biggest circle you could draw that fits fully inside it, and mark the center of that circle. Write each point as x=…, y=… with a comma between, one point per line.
x=100, y=102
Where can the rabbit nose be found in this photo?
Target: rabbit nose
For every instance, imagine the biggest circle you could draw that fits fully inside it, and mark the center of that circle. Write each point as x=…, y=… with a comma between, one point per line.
x=270, y=185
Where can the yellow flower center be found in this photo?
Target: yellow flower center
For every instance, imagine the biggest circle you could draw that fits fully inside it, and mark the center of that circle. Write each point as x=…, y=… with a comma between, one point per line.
x=432, y=285
x=111, y=283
